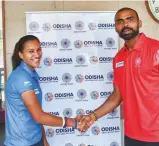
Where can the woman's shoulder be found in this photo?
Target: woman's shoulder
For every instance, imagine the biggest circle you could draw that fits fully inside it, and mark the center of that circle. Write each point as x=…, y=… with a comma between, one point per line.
x=18, y=75
x=19, y=80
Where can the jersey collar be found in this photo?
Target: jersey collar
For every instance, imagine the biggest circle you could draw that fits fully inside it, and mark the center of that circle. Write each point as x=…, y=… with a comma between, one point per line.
x=139, y=44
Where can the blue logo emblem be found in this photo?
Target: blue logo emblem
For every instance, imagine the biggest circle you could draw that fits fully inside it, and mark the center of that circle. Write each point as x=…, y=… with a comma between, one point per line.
x=114, y=112
x=110, y=42
x=78, y=44
x=47, y=61
x=80, y=112
x=50, y=132
x=93, y=59
x=81, y=144
x=66, y=77
x=94, y=95
x=114, y=144
x=80, y=59
x=79, y=25
x=110, y=76
x=67, y=112
x=92, y=26
x=79, y=78
x=49, y=97
x=95, y=130
x=65, y=43
x=81, y=94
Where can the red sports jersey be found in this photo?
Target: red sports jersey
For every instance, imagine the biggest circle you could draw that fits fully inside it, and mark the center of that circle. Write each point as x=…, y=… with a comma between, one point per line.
x=136, y=73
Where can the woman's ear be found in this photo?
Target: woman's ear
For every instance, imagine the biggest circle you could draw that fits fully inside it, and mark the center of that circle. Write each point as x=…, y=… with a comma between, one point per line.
x=20, y=55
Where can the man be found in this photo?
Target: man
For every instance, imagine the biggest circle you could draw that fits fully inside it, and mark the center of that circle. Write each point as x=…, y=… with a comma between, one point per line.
x=136, y=83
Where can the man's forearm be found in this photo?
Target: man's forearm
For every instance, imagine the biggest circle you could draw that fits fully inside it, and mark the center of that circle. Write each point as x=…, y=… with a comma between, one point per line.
x=111, y=103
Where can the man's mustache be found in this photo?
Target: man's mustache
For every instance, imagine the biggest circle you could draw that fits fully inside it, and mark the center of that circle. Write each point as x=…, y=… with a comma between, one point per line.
x=126, y=28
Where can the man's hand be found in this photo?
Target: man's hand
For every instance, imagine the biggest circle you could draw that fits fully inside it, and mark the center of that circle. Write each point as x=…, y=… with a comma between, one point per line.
x=85, y=121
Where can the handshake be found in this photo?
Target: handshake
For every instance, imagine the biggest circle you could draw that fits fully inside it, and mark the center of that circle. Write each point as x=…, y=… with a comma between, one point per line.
x=83, y=122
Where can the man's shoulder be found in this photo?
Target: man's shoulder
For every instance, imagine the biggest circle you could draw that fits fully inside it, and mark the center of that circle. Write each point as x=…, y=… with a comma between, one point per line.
x=152, y=41
x=120, y=52
x=152, y=45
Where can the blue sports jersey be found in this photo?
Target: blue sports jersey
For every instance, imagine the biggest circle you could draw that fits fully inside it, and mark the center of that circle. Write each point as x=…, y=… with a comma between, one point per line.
x=21, y=129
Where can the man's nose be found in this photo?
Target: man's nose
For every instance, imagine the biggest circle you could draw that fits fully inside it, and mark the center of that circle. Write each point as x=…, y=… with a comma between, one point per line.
x=126, y=23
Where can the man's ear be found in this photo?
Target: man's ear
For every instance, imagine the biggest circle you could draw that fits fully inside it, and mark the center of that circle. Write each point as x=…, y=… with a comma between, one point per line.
x=20, y=55
x=140, y=23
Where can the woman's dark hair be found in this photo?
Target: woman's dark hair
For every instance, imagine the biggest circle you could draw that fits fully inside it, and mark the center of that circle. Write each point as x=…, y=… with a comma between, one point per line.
x=19, y=46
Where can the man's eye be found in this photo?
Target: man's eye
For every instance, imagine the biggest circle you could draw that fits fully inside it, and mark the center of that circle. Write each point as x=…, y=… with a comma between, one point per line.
x=120, y=21
x=130, y=19
x=31, y=51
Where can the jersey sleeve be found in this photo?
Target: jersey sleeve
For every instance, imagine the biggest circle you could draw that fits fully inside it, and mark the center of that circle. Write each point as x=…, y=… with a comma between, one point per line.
x=23, y=83
x=115, y=83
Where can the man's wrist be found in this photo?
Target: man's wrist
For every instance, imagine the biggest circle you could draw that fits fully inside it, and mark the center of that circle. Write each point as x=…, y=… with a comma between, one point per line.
x=94, y=115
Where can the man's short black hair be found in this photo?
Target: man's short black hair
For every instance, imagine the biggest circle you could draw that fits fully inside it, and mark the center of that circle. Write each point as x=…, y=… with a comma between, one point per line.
x=126, y=8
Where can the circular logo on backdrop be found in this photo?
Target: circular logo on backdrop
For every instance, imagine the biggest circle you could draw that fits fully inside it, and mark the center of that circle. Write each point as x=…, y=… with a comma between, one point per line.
x=81, y=94
x=114, y=144
x=34, y=26
x=114, y=112
x=93, y=59
x=110, y=76
x=80, y=59
x=65, y=43
x=95, y=130
x=48, y=96
x=49, y=132
x=67, y=112
x=94, y=94
x=78, y=44
x=110, y=42
x=79, y=78
x=80, y=112
x=81, y=144
x=92, y=26
x=46, y=26
x=68, y=144
x=66, y=77
x=47, y=61
x=79, y=25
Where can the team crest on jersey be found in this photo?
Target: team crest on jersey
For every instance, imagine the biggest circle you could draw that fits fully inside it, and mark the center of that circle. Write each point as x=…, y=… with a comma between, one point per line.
x=138, y=62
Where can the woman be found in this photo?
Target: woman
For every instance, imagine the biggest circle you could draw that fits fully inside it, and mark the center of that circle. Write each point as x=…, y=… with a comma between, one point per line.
x=24, y=115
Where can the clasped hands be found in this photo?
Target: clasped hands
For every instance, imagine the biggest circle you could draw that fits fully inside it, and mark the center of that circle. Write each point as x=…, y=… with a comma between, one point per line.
x=85, y=121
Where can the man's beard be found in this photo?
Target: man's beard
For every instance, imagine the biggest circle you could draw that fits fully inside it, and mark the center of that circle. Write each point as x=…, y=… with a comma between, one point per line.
x=130, y=35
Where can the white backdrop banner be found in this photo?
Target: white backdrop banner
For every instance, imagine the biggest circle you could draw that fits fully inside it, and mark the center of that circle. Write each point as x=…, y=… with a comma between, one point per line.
x=76, y=72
